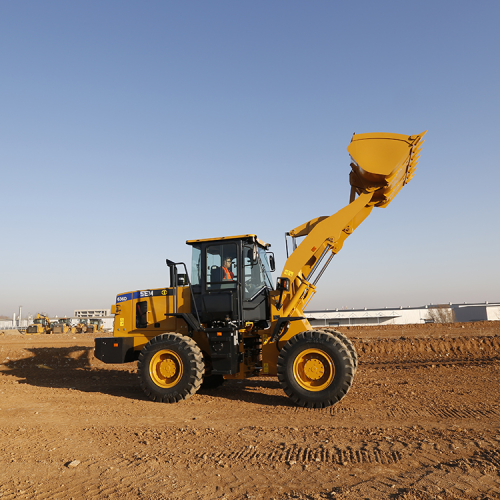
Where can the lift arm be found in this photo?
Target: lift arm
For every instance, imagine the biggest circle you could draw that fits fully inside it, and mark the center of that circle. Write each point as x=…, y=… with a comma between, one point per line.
x=381, y=165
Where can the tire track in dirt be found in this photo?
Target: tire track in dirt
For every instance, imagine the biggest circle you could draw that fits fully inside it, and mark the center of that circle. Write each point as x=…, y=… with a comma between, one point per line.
x=400, y=411
x=446, y=412
x=451, y=413
x=451, y=363
x=303, y=455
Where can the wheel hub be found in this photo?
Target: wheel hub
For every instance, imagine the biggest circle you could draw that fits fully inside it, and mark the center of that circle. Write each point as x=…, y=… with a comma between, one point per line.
x=166, y=368
x=314, y=369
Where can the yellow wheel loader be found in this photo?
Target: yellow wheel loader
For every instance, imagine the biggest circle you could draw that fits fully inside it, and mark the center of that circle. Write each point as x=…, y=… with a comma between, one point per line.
x=227, y=321
x=41, y=325
x=94, y=326
x=81, y=326
x=63, y=325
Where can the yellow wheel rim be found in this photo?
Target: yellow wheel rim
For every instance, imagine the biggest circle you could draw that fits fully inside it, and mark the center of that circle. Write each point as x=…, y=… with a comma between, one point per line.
x=165, y=368
x=314, y=370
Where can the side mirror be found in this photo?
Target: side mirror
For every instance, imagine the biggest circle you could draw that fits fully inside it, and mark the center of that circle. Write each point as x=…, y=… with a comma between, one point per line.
x=253, y=255
x=272, y=264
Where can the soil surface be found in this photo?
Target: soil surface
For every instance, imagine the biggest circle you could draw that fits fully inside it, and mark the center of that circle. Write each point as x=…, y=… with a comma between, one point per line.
x=422, y=421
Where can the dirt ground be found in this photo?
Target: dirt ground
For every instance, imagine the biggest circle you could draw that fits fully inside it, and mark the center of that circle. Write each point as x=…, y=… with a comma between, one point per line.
x=422, y=421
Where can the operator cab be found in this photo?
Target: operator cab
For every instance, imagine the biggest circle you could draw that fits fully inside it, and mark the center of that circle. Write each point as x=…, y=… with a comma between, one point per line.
x=231, y=280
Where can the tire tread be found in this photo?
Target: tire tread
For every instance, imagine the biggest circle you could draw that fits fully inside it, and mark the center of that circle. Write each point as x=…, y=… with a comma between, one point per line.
x=345, y=357
x=197, y=368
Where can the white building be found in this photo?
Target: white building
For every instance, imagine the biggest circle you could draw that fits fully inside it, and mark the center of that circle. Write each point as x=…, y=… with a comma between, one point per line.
x=91, y=313
x=402, y=315
x=351, y=317
x=477, y=312
x=8, y=324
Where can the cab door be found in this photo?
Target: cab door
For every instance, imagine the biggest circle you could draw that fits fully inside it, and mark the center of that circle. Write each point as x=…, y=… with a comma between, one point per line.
x=220, y=287
x=254, y=287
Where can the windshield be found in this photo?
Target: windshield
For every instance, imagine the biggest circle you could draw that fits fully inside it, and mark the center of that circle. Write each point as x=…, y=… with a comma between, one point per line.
x=266, y=268
x=257, y=274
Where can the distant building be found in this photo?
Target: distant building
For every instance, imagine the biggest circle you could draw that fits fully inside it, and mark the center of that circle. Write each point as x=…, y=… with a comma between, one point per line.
x=477, y=312
x=91, y=313
x=402, y=315
x=7, y=324
x=353, y=317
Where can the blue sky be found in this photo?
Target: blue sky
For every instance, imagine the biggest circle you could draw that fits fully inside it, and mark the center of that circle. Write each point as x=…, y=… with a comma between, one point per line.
x=130, y=127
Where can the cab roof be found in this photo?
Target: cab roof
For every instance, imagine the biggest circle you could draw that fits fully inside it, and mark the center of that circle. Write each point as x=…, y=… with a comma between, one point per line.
x=252, y=237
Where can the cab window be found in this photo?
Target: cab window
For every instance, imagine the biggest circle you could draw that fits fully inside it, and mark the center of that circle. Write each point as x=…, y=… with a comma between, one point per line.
x=222, y=266
x=196, y=265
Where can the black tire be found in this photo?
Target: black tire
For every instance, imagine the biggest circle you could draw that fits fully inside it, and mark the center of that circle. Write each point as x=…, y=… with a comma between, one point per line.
x=347, y=342
x=315, y=369
x=170, y=368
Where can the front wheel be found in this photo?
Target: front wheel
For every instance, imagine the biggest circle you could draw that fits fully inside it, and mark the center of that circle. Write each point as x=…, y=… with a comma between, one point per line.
x=170, y=368
x=315, y=369
x=347, y=342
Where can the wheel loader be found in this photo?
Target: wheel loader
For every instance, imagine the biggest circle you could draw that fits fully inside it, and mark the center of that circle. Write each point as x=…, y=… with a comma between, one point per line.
x=81, y=326
x=226, y=320
x=62, y=326
x=95, y=325
x=41, y=325
x=89, y=325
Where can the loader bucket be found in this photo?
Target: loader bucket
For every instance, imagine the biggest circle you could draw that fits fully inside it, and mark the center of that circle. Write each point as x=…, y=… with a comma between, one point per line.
x=382, y=164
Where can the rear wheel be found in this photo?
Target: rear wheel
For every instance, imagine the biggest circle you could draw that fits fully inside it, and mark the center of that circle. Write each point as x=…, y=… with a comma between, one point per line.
x=315, y=369
x=170, y=368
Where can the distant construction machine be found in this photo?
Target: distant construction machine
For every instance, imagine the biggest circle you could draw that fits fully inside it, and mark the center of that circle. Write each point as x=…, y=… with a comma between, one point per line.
x=95, y=325
x=228, y=322
x=62, y=326
x=81, y=326
x=41, y=325
x=90, y=325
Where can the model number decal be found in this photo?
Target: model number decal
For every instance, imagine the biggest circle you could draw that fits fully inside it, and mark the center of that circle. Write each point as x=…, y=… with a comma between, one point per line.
x=123, y=298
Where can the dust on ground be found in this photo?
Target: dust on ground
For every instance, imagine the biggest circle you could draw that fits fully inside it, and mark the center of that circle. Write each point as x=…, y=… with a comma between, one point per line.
x=422, y=421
